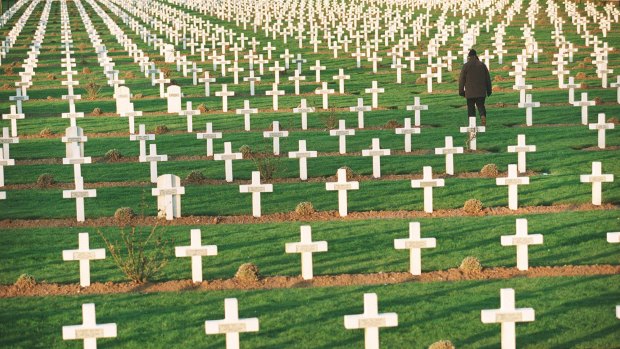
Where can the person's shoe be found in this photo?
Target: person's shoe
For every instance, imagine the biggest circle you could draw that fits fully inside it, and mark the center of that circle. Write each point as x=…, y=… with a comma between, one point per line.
x=483, y=119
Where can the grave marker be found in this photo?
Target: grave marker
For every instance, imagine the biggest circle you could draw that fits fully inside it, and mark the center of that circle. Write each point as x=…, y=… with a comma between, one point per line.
x=342, y=186
x=521, y=149
x=417, y=108
x=415, y=244
x=196, y=250
x=601, y=126
x=584, y=103
x=449, y=150
x=168, y=192
x=228, y=156
x=360, y=108
x=276, y=134
x=256, y=188
x=522, y=240
x=83, y=254
x=374, y=91
x=512, y=181
x=371, y=320
x=472, y=131
x=89, y=330
x=427, y=182
x=376, y=152
x=304, y=109
x=597, y=178
x=342, y=132
x=507, y=315
x=173, y=95
x=231, y=325
x=306, y=247
x=153, y=158
x=302, y=154
x=79, y=194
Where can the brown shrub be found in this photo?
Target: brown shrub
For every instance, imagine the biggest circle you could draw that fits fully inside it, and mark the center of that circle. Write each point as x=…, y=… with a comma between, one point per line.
x=202, y=108
x=420, y=81
x=138, y=96
x=470, y=265
x=248, y=272
x=613, y=120
x=246, y=151
x=498, y=78
x=195, y=177
x=51, y=76
x=25, y=282
x=304, y=208
x=392, y=124
x=587, y=60
x=86, y=70
x=442, y=344
x=97, y=111
x=472, y=206
x=496, y=88
x=130, y=75
x=161, y=129
x=506, y=68
x=113, y=155
x=598, y=101
x=580, y=75
x=45, y=180
x=124, y=215
x=489, y=170
x=46, y=132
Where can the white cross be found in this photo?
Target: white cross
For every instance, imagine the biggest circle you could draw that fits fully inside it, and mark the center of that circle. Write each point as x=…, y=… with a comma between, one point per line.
x=299, y=61
x=252, y=79
x=601, y=126
x=276, y=69
x=275, y=134
x=427, y=182
x=304, y=109
x=374, y=59
x=168, y=192
x=236, y=70
x=325, y=92
x=231, y=325
x=306, y=247
x=275, y=93
x=522, y=88
x=415, y=244
x=360, y=108
x=269, y=48
x=341, y=77
x=417, y=108
x=162, y=81
x=195, y=70
x=209, y=135
x=407, y=130
x=507, y=315
x=246, y=111
x=597, y=178
x=521, y=149
x=13, y=116
x=4, y=162
x=83, y=254
x=512, y=181
x=196, y=250
x=571, y=89
x=449, y=150
x=131, y=114
x=256, y=188
x=18, y=98
x=79, y=193
x=371, y=320
x=472, y=131
x=342, y=186
x=153, y=158
x=189, y=114
x=89, y=330
x=616, y=85
x=528, y=105
x=142, y=137
x=429, y=79
x=375, y=90
x=297, y=78
x=228, y=156
x=584, y=103
x=224, y=93
x=399, y=68
x=522, y=240
x=302, y=154
x=342, y=132
x=317, y=69
x=207, y=81
x=376, y=152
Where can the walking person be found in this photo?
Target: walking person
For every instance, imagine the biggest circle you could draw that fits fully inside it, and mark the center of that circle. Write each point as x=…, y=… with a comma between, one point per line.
x=475, y=85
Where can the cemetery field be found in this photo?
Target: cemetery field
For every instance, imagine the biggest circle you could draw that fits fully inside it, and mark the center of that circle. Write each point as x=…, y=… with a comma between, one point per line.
x=366, y=176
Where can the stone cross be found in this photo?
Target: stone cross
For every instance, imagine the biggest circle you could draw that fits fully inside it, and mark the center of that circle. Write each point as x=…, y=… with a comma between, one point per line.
x=375, y=60
x=375, y=90
x=299, y=61
x=417, y=108
x=83, y=254
x=89, y=330
x=252, y=79
x=429, y=79
x=274, y=92
x=162, y=81
x=189, y=114
x=18, y=99
x=196, y=250
x=521, y=149
x=153, y=158
x=246, y=111
x=507, y=315
x=342, y=132
x=209, y=135
x=79, y=194
x=304, y=109
x=168, y=192
x=276, y=69
x=325, y=92
x=297, y=78
x=13, y=116
x=236, y=70
x=173, y=95
x=522, y=240
x=601, y=126
x=228, y=156
x=224, y=93
x=571, y=86
x=4, y=162
x=195, y=70
x=616, y=85
x=275, y=133
x=407, y=130
x=122, y=97
x=449, y=150
x=584, y=103
x=231, y=325
x=342, y=186
x=376, y=152
x=399, y=68
x=427, y=182
x=512, y=181
x=522, y=87
x=415, y=244
x=597, y=178
x=131, y=115
x=317, y=70
x=207, y=81
x=341, y=77
x=472, y=131
x=371, y=320
x=360, y=108
x=528, y=105
x=302, y=154
x=306, y=247
x=142, y=137
x=256, y=188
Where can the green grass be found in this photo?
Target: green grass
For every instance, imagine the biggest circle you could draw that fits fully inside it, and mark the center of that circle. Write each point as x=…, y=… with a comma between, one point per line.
x=571, y=312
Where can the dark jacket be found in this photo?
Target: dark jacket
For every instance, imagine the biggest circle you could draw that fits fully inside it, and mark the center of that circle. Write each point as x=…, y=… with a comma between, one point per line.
x=475, y=80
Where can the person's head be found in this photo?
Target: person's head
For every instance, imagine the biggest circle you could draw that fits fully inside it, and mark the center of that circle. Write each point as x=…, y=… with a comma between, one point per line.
x=472, y=54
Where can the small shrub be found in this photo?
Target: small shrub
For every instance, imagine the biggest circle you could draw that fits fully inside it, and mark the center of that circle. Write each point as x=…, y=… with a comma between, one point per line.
x=82, y=46
x=86, y=70
x=92, y=90
x=580, y=75
x=45, y=180
x=268, y=166
x=350, y=174
x=581, y=66
x=195, y=177
x=506, y=68
x=304, y=208
x=138, y=96
x=161, y=129
x=246, y=151
x=613, y=120
x=248, y=272
x=584, y=86
x=25, y=282
x=489, y=170
x=498, y=78
x=51, y=76
x=113, y=155
x=6, y=87
x=202, y=108
x=8, y=71
x=470, y=264
x=166, y=72
x=46, y=132
x=587, y=60
x=130, y=75
x=392, y=124
x=442, y=344
x=50, y=98
x=330, y=120
x=472, y=206
x=420, y=81
x=124, y=215
x=496, y=88
x=598, y=101
x=97, y=111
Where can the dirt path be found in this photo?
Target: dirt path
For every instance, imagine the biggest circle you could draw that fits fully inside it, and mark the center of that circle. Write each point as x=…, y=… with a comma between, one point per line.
x=276, y=282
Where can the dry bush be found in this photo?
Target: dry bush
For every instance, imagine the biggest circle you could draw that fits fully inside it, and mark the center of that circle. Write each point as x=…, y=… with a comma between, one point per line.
x=442, y=344
x=470, y=264
x=130, y=75
x=268, y=166
x=305, y=208
x=45, y=180
x=613, y=120
x=248, y=272
x=392, y=124
x=489, y=170
x=472, y=206
x=124, y=215
x=498, y=78
x=246, y=151
x=166, y=72
x=86, y=70
x=8, y=71
x=195, y=177
x=331, y=121
x=598, y=101
x=46, y=132
x=113, y=155
x=587, y=60
x=580, y=75
x=51, y=76
x=25, y=282
x=350, y=174
x=161, y=129
x=92, y=90
x=96, y=111
x=506, y=68
x=420, y=81
x=202, y=108
x=496, y=88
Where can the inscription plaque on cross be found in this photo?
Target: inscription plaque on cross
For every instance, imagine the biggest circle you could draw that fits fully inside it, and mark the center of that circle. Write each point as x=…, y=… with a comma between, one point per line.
x=89, y=330
x=507, y=315
x=415, y=244
x=597, y=178
x=306, y=247
x=83, y=254
x=371, y=320
x=522, y=240
x=196, y=250
x=231, y=325
x=427, y=182
x=256, y=188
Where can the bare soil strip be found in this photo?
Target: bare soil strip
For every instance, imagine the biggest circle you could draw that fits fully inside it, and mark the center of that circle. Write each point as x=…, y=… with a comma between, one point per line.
x=277, y=282
x=294, y=217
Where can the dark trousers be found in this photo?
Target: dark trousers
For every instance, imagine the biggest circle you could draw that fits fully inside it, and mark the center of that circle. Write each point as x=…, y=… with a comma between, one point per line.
x=473, y=103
